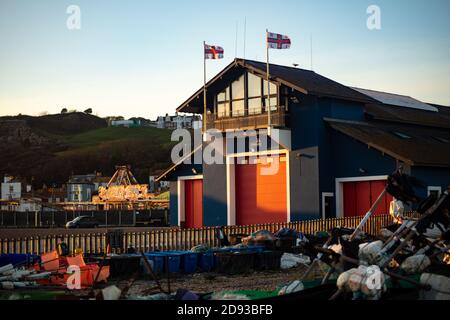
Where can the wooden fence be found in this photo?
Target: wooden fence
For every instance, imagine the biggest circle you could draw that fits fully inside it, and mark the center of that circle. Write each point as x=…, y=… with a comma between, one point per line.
x=171, y=238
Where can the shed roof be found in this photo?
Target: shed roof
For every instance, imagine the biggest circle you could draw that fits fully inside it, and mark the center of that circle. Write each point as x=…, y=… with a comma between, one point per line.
x=397, y=100
x=440, y=119
x=414, y=145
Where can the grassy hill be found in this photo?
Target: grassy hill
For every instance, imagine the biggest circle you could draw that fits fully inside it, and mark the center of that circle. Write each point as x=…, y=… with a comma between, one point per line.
x=98, y=138
x=51, y=148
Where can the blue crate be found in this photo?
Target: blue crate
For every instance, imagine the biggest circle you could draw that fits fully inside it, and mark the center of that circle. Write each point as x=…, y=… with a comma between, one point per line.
x=18, y=259
x=157, y=260
x=173, y=261
x=256, y=249
x=206, y=261
x=189, y=262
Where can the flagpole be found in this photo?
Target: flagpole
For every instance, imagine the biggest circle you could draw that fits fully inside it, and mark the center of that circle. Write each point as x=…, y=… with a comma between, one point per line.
x=269, y=120
x=204, y=87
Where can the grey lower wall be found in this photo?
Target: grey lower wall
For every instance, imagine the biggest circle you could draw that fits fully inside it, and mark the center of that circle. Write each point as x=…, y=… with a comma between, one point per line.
x=304, y=184
x=173, y=216
x=214, y=195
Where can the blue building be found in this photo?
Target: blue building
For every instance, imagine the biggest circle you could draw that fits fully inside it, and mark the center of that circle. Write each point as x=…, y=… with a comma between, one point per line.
x=333, y=146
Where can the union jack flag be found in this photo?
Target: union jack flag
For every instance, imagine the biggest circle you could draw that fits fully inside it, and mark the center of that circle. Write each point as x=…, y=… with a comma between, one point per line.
x=213, y=52
x=278, y=41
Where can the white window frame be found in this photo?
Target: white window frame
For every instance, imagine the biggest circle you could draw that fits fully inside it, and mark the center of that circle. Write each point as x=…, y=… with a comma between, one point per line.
x=181, y=196
x=340, y=190
x=324, y=195
x=434, y=188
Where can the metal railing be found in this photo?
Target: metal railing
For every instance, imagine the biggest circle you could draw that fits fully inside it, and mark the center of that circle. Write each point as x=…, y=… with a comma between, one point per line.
x=249, y=120
x=171, y=238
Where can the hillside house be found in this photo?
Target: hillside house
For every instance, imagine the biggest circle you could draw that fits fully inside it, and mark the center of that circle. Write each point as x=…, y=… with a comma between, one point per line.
x=132, y=123
x=81, y=188
x=177, y=121
x=13, y=189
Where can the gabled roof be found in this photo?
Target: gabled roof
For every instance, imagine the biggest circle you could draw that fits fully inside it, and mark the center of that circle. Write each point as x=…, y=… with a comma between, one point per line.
x=425, y=146
x=304, y=81
x=397, y=100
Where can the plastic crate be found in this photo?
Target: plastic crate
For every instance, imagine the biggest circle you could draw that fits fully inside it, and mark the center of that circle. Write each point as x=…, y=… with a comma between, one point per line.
x=18, y=259
x=206, y=261
x=235, y=262
x=267, y=260
x=172, y=261
x=156, y=261
x=124, y=265
x=189, y=262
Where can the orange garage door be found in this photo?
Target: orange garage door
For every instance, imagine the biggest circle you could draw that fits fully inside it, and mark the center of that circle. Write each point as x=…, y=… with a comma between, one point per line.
x=261, y=198
x=193, y=198
x=359, y=197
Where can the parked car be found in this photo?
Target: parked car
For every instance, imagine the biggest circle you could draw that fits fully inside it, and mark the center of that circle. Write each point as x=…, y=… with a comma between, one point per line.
x=82, y=222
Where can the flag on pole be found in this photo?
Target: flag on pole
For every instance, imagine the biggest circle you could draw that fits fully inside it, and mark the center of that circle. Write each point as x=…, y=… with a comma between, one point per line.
x=278, y=41
x=213, y=52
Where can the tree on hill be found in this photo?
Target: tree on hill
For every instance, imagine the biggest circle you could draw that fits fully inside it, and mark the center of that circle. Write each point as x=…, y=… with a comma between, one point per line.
x=88, y=111
x=64, y=110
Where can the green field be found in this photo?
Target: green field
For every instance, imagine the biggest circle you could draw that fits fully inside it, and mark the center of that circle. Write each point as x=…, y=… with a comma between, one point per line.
x=111, y=136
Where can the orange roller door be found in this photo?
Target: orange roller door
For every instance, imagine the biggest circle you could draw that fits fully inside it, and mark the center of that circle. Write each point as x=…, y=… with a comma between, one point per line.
x=261, y=198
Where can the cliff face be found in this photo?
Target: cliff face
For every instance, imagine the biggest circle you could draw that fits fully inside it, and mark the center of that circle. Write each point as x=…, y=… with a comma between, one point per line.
x=18, y=133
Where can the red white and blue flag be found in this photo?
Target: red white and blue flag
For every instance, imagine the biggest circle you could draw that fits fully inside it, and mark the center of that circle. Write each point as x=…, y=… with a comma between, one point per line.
x=278, y=41
x=213, y=52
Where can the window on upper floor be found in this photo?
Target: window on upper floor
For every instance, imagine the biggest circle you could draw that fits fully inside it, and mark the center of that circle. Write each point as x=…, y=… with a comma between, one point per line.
x=238, y=88
x=273, y=96
x=238, y=97
x=223, y=103
x=254, y=94
x=238, y=108
x=247, y=95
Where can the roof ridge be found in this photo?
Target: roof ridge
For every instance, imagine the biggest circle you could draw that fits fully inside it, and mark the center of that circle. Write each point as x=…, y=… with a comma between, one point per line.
x=274, y=64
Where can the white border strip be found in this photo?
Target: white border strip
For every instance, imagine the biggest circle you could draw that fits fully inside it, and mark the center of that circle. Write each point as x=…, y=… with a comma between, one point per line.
x=434, y=188
x=324, y=195
x=181, y=196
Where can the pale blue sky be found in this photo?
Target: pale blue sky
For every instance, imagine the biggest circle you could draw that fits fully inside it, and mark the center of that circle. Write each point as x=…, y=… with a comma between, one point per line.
x=144, y=57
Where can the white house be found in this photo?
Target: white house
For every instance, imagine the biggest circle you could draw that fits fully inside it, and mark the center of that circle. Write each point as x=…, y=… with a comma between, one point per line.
x=126, y=123
x=11, y=188
x=177, y=121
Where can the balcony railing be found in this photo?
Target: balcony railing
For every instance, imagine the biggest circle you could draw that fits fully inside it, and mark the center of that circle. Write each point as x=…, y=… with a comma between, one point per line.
x=252, y=119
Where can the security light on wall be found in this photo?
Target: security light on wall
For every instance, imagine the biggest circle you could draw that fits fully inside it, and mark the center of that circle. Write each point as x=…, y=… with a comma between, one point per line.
x=194, y=171
x=294, y=99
